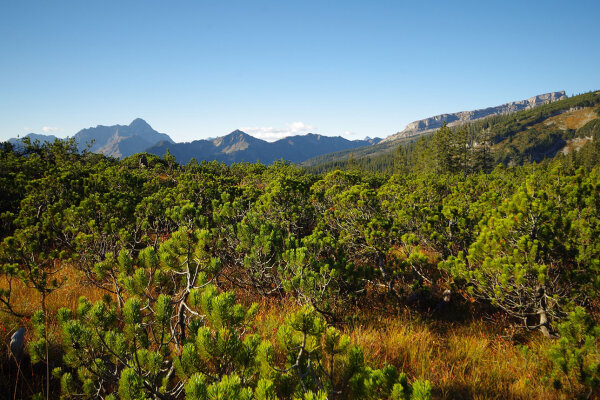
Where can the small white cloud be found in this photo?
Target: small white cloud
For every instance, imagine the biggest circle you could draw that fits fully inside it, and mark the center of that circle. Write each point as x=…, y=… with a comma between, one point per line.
x=350, y=135
x=48, y=129
x=271, y=134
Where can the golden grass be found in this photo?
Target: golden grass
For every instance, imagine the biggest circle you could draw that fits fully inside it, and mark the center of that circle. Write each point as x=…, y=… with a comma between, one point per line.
x=27, y=300
x=473, y=360
x=462, y=361
x=572, y=119
x=575, y=144
x=75, y=285
x=470, y=360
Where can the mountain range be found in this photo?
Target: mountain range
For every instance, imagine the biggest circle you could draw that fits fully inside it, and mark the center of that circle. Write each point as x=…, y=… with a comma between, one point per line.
x=120, y=140
x=427, y=126
x=124, y=140
x=568, y=126
x=238, y=146
x=116, y=141
x=34, y=137
x=431, y=124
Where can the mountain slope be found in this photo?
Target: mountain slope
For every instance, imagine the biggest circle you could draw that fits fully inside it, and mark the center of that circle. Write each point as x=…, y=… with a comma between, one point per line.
x=120, y=140
x=238, y=146
x=124, y=140
x=430, y=124
x=560, y=127
x=33, y=137
x=376, y=149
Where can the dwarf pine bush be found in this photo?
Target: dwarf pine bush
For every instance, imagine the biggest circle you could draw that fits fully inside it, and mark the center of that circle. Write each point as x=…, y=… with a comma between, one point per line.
x=130, y=354
x=576, y=355
x=171, y=335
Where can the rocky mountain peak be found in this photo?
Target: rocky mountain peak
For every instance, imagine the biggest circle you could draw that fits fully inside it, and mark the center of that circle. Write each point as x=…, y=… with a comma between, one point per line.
x=430, y=124
x=139, y=124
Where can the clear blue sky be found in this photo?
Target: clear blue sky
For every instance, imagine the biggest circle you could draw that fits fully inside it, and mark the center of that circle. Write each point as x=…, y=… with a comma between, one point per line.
x=195, y=69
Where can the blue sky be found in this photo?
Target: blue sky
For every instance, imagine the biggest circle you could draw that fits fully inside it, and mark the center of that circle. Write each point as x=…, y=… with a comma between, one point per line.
x=197, y=69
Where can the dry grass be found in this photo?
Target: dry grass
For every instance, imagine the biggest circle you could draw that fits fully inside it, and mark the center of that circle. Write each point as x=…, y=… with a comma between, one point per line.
x=468, y=360
x=462, y=361
x=574, y=119
x=28, y=301
x=576, y=144
x=75, y=285
x=473, y=360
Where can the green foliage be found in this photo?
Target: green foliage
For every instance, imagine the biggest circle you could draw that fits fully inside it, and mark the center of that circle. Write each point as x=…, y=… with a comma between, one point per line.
x=512, y=139
x=167, y=244
x=321, y=360
x=576, y=355
x=521, y=260
x=229, y=387
x=421, y=390
x=452, y=150
x=219, y=360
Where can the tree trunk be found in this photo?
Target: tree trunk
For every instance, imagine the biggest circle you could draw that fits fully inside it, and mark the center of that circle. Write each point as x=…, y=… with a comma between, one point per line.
x=544, y=323
x=46, y=340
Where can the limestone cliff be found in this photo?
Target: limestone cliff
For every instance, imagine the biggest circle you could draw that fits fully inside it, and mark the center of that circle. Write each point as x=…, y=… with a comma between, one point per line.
x=432, y=123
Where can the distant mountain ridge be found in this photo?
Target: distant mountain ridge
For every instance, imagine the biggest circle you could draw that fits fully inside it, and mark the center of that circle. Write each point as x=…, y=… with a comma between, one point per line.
x=33, y=137
x=567, y=126
x=120, y=140
x=238, y=146
x=124, y=140
x=115, y=140
x=430, y=124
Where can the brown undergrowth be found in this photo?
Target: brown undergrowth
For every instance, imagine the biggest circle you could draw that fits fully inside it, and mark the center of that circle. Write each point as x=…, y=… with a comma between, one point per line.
x=464, y=358
x=26, y=302
x=475, y=358
x=572, y=119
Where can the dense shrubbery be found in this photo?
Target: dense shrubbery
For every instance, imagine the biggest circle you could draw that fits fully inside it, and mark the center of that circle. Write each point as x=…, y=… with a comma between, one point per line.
x=169, y=244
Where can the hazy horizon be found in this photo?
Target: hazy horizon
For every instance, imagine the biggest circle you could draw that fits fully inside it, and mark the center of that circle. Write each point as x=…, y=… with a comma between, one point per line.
x=272, y=69
x=268, y=134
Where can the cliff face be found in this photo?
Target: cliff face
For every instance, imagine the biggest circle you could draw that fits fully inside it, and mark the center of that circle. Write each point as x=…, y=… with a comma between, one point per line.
x=432, y=123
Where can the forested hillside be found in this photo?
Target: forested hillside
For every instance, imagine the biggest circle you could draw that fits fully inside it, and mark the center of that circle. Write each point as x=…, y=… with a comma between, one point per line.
x=208, y=281
x=568, y=127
